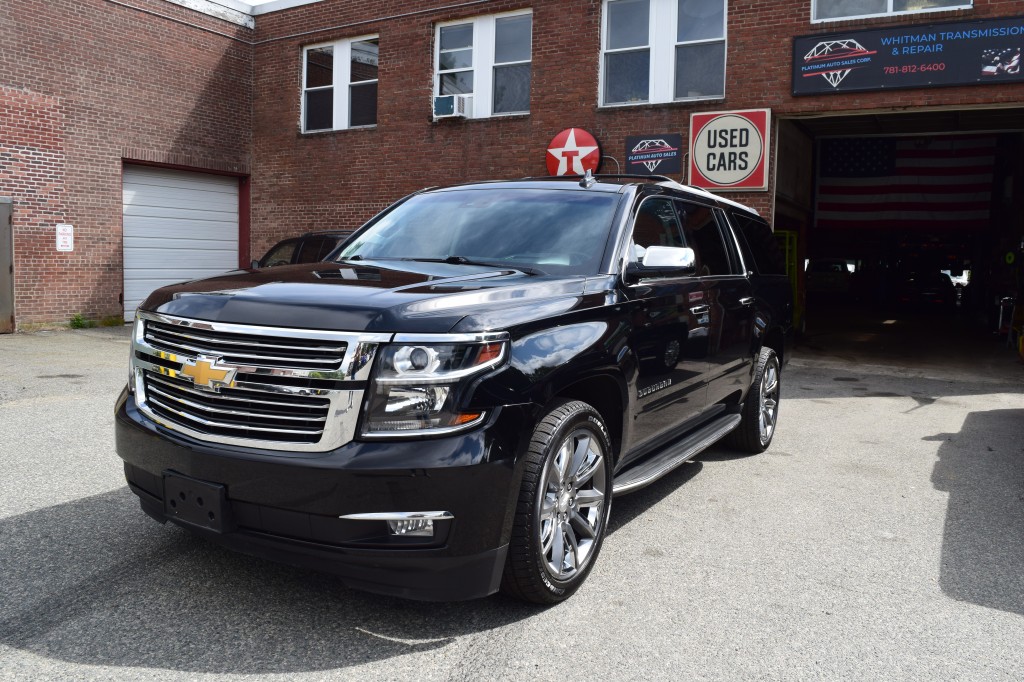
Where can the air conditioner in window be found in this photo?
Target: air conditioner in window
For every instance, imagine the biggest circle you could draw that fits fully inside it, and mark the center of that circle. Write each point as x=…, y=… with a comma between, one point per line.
x=452, y=106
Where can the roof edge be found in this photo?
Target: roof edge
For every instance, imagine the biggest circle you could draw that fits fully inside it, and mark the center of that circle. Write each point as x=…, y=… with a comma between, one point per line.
x=225, y=10
x=238, y=11
x=277, y=5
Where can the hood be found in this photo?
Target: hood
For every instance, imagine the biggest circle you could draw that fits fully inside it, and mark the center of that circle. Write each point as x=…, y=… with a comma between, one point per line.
x=372, y=296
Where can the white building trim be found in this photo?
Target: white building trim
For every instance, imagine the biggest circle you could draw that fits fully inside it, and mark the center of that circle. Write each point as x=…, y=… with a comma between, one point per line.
x=238, y=11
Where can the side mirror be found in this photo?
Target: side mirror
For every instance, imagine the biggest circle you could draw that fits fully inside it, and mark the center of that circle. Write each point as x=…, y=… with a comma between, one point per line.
x=662, y=261
x=255, y=264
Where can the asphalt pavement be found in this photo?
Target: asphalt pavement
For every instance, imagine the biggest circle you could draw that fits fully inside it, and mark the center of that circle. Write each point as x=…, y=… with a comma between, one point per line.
x=881, y=537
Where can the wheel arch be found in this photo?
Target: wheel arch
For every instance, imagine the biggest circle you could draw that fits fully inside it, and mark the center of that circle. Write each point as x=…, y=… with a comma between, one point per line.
x=776, y=340
x=607, y=395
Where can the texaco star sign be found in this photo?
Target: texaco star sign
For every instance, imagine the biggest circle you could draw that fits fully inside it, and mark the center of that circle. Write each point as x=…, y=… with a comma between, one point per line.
x=573, y=151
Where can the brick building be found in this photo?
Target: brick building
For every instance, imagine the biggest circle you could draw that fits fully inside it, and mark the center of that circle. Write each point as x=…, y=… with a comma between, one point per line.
x=129, y=119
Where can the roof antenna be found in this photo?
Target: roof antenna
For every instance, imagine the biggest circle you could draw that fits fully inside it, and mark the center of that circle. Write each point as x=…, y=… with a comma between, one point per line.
x=588, y=180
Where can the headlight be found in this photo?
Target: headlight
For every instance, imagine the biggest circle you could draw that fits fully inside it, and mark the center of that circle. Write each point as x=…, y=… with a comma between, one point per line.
x=137, y=331
x=416, y=385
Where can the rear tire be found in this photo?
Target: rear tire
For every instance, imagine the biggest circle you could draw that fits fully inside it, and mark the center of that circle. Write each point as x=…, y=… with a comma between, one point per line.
x=563, y=505
x=760, y=410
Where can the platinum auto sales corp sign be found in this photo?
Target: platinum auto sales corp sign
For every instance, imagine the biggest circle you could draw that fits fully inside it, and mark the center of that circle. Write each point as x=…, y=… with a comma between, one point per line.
x=729, y=149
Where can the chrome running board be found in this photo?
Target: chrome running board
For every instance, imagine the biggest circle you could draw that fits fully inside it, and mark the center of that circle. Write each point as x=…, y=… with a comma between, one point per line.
x=649, y=470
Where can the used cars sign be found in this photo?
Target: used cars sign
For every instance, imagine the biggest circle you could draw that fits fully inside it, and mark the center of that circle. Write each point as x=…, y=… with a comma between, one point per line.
x=729, y=150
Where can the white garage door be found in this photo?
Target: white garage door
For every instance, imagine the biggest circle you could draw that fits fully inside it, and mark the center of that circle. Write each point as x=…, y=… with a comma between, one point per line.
x=177, y=225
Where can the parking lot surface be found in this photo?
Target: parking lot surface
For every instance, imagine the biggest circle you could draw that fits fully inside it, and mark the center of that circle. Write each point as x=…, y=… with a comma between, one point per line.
x=881, y=537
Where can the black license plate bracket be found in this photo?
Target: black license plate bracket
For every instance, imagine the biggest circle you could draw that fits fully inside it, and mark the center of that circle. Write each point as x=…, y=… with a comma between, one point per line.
x=195, y=502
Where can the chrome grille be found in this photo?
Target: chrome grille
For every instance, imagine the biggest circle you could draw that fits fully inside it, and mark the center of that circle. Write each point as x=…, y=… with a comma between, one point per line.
x=267, y=387
x=239, y=413
x=247, y=349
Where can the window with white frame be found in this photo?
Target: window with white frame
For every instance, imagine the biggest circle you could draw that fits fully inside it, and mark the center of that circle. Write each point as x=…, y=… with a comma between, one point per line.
x=640, y=36
x=827, y=10
x=488, y=59
x=339, y=85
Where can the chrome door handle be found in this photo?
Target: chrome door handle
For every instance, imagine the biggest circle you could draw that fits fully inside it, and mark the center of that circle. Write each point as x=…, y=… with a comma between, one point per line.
x=700, y=309
x=747, y=300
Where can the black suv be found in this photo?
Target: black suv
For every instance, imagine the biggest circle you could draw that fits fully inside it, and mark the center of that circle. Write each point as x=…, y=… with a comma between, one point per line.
x=448, y=406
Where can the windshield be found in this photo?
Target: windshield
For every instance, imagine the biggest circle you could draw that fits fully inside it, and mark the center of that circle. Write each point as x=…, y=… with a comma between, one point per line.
x=550, y=231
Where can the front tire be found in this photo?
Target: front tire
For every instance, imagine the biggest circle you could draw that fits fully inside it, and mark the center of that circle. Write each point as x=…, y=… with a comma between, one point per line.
x=761, y=408
x=563, y=505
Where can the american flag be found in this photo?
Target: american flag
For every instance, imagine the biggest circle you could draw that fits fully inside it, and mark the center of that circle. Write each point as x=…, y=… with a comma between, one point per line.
x=905, y=182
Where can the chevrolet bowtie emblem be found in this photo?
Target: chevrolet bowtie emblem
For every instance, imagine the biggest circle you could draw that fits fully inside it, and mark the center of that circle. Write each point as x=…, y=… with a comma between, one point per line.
x=206, y=375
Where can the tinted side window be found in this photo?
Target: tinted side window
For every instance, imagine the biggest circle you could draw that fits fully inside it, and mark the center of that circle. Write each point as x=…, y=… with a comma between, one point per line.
x=702, y=234
x=656, y=224
x=760, y=247
x=330, y=244
x=281, y=254
x=310, y=247
x=735, y=262
x=315, y=248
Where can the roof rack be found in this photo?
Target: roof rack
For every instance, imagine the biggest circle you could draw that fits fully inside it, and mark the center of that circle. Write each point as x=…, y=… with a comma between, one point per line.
x=636, y=176
x=604, y=176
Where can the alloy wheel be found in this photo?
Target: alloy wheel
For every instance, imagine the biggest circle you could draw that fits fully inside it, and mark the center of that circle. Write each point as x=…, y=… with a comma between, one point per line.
x=769, y=400
x=572, y=510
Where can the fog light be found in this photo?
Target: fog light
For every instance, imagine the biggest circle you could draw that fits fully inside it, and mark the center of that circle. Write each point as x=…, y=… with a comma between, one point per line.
x=405, y=524
x=413, y=528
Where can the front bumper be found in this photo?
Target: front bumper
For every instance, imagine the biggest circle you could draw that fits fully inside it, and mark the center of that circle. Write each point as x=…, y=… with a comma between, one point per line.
x=287, y=506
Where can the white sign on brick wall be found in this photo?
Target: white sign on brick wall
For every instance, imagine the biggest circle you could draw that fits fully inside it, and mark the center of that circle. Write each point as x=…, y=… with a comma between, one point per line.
x=65, y=237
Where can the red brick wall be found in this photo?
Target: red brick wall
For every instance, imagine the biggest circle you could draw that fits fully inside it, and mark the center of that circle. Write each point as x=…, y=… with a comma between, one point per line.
x=32, y=172
x=83, y=85
x=324, y=180
x=102, y=83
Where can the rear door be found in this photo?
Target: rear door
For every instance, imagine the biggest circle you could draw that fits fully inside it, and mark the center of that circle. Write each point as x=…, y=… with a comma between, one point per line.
x=669, y=333
x=728, y=293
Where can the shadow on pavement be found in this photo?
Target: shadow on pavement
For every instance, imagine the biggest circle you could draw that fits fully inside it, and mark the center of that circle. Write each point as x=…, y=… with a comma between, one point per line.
x=95, y=581
x=982, y=469
x=632, y=505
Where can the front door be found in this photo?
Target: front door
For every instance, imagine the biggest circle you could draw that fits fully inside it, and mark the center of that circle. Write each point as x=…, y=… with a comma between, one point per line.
x=669, y=337
x=6, y=268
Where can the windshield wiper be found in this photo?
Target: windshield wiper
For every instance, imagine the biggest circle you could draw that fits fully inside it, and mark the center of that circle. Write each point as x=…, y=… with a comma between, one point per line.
x=462, y=260
x=453, y=260
x=370, y=258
